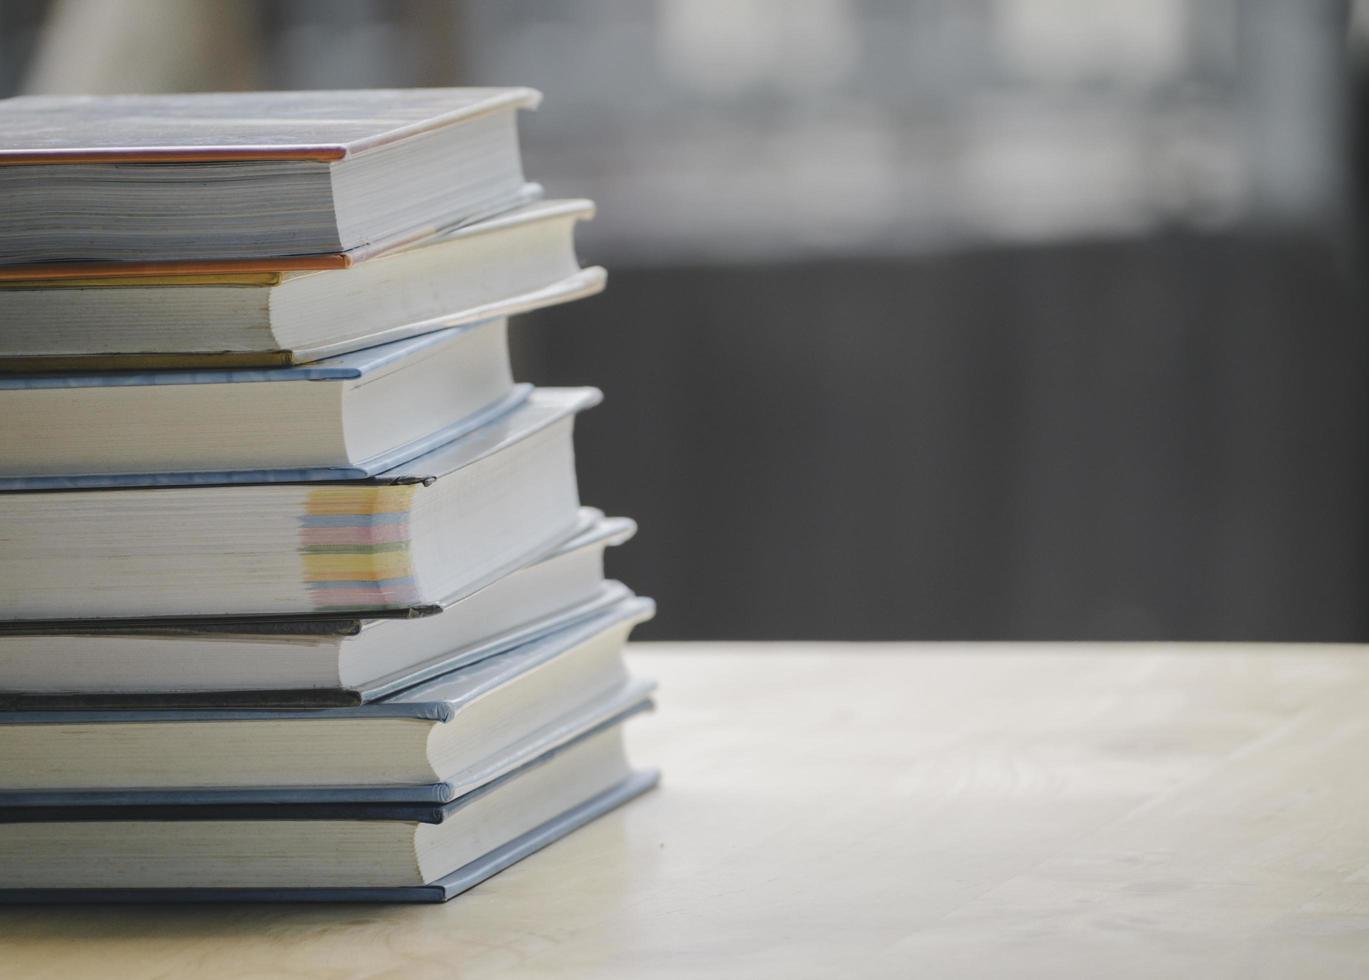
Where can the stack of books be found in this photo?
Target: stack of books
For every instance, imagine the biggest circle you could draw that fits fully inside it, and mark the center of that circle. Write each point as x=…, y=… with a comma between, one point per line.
x=298, y=600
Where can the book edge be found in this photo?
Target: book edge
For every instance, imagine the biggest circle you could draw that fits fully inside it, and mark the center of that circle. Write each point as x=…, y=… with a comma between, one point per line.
x=436, y=892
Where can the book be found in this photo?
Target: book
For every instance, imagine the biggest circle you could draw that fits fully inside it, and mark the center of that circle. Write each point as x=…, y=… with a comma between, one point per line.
x=330, y=852
x=310, y=663
x=341, y=418
x=442, y=890
x=248, y=180
x=632, y=699
x=431, y=741
x=518, y=261
x=392, y=544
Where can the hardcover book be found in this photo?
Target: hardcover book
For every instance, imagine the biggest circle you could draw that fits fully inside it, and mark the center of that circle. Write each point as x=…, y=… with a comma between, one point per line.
x=456, y=729
x=249, y=181
x=343, y=418
x=518, y=261
x=394, y=544
x=311, y=662
x=363, y=852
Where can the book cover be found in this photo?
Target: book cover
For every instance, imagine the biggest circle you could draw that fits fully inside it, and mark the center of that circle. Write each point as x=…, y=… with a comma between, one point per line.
x=232, y=127
x=342, y=367
x=421, y=461
x=441, y=890
x=438, y=699
x=610, y=594
x=317, y=802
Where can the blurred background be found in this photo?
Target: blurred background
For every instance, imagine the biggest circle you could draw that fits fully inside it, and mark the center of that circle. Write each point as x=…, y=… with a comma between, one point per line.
x=927, y=319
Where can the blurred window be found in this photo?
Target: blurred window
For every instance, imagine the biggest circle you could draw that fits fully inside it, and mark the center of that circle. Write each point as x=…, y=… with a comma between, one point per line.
x=761, y=129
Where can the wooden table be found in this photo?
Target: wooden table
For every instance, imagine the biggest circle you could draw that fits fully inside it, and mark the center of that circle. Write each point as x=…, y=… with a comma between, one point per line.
x=905, y=811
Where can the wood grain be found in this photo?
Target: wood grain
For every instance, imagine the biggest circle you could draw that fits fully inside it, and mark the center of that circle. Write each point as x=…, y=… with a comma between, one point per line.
x=901, y=810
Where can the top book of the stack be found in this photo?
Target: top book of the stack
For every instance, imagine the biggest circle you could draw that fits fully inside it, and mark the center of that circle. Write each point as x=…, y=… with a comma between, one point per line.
x=248, y=182
x=229, y=230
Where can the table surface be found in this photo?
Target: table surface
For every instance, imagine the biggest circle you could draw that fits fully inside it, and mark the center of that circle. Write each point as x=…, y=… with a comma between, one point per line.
x=889, y=810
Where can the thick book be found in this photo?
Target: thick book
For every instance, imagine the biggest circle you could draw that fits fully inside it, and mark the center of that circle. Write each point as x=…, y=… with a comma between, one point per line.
x=432, y=741
x=395, y=544
x=307, y=663
x=313, y=852
x=342, y=418
x=260, y=181
x=518, y=261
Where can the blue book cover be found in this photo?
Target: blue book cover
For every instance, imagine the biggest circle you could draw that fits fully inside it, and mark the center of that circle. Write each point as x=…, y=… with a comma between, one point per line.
x=425, y=803
x=441, y=890
x=610, y=594
x=633, y=699
x=437, y=700
x=471, y=438
x=344, y=367
x=436, y=892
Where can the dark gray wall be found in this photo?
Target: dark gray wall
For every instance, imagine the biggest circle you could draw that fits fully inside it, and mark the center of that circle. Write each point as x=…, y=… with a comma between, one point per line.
x=1151, y=439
